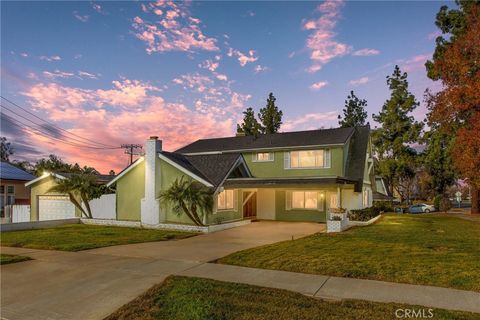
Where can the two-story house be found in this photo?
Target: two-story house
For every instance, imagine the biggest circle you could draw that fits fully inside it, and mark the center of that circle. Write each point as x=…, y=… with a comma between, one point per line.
x=291, y=176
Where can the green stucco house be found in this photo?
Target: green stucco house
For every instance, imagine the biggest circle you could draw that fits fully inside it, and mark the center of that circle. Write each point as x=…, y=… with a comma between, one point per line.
x=291, y=176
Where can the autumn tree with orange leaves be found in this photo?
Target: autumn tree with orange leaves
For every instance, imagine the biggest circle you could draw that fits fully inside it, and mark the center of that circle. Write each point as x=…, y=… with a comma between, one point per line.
x=456, y=108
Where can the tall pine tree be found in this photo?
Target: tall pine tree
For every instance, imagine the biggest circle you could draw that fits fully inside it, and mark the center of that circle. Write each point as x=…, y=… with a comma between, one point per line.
x=270, y=116
x=250, y=125
x=398, y=130
x=354, y=113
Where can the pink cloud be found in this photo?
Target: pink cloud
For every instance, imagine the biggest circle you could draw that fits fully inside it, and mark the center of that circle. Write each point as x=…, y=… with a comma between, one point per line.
x=175, y=31
x=360, y=81
x=129, y=112
x=209, y=64
x=318, y=85
x=321, y=42
x=414, y=63
x=310, y=121
x=366, y=52
x=222, y=77
x=57, y=74
x=243, y=59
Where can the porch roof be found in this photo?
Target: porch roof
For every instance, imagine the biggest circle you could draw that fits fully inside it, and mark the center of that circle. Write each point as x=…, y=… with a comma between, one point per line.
x=285, y=182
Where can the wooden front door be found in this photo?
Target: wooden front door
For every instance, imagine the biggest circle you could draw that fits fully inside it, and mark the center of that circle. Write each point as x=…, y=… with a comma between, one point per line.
x=250, y=206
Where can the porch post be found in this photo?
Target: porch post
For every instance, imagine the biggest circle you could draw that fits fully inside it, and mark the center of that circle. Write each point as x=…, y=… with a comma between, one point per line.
x=339, y=196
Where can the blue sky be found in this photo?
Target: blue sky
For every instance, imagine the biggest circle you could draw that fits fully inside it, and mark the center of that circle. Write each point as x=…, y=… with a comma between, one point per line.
x=118, y=72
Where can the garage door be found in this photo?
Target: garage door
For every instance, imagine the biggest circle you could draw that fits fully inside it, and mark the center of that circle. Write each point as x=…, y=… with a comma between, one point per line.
x=55, y=207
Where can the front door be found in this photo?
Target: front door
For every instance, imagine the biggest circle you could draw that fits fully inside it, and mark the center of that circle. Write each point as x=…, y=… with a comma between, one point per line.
x=249, y=204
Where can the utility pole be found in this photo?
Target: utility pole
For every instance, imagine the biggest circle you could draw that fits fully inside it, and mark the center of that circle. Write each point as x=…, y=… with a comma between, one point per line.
x=129, y=149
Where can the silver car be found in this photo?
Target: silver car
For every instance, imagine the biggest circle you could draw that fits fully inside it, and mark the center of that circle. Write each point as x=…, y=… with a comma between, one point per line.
x=421, y=208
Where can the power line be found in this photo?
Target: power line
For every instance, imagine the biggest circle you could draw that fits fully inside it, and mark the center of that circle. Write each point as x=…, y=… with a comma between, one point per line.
x=51, y=136
x=55, y=126
x=129, y=150
x=40, y=125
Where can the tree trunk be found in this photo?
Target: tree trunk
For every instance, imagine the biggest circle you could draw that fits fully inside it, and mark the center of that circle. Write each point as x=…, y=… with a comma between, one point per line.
x=76, y=204
x=475, y=200
x=87, y=205
x=187, y=212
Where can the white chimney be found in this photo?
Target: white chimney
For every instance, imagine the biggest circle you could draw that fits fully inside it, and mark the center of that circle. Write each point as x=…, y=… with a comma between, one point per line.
x=150, y=206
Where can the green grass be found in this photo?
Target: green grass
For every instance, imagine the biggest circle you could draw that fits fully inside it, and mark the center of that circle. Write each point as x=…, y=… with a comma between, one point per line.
x=419, y=249
x=78, y=237
x=10, y=258
x=182, y=298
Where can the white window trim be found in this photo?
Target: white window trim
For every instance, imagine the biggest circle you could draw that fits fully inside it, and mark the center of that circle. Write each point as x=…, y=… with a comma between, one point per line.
x=288, y=155
x=308, y=209
x=255, y=157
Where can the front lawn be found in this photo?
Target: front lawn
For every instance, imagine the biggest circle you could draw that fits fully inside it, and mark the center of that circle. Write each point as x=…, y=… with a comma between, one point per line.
x=183, y=298
x=419, y=249
x=76, y=237
x=10, y=258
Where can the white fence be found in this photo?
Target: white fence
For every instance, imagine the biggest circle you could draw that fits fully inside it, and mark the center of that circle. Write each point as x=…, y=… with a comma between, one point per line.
x=17, y=213
x=104, y=207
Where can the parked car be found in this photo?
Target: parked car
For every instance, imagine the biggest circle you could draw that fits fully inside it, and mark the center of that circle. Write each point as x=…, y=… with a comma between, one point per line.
x=421, y=208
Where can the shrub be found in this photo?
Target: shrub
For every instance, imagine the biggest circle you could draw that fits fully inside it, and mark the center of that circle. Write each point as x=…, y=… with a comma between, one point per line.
x=363, y=214
x=436, y=202
x=383, y=206
x=445, y=204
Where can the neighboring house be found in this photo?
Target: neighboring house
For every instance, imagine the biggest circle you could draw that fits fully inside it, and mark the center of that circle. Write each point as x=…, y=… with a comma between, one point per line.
x=382, y=191
x=48, y=205
x=12, y=186
x=292, y=176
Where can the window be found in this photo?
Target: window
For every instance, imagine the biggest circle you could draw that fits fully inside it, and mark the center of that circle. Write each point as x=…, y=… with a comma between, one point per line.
x=312, y=200
x=226, y=200
x=2, y=189
x=365, y=198
x=10, y=189
x=263, y=156
x=307, y=159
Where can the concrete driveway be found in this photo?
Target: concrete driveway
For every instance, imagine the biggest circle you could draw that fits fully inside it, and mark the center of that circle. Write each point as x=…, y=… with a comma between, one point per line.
x=92, y=284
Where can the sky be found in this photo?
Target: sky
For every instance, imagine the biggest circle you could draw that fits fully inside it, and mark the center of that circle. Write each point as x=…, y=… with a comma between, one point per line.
x=86, y=77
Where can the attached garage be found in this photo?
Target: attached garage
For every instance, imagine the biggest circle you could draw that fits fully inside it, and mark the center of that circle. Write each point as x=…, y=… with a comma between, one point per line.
x=55, y=208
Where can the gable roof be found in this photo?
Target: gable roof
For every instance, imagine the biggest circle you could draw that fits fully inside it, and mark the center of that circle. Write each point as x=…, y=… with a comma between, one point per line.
x=296, y=139
x=100, y=178
x=10, y=172
x=357, y=153
x=213, y=168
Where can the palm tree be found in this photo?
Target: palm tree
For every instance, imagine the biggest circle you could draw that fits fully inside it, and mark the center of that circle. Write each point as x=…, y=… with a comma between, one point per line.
x=189, y=197
x=81, y=186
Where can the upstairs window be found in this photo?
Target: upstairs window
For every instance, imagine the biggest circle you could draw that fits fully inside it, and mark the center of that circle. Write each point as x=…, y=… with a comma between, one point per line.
x=226, y=200
x=10, y=189
x=262, y=156
x=308, y=159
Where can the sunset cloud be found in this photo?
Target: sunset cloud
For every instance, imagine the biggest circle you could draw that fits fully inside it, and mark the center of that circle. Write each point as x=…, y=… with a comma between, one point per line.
x=318, y=85
x=366, y=52
x=321, y=42
x=310, y=121
x=50, y=58
x=172, y=29
x=80, y=17
x=259, y=68
x=356, y=82
x=129, y=112
x=243, y=59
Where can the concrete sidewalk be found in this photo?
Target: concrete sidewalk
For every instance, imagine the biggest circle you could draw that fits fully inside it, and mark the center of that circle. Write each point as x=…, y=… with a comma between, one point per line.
x=341, y=288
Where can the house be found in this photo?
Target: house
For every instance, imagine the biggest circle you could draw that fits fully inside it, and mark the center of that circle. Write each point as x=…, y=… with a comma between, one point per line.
x=12, y=186
x=291, y=176
x=48, y=205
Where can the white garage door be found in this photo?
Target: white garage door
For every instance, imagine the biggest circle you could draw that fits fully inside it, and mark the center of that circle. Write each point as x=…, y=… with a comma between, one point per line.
x=55, y=207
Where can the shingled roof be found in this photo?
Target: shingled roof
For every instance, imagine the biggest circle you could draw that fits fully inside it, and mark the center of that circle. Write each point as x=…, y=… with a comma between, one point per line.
x=357, y=154
x=213, y=168
x=266, y=141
